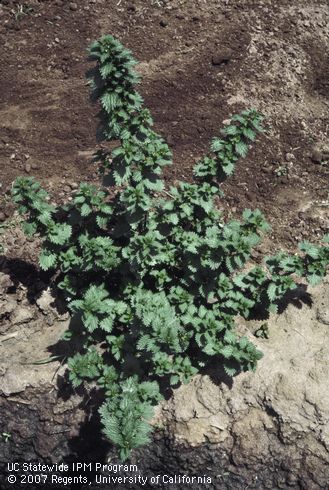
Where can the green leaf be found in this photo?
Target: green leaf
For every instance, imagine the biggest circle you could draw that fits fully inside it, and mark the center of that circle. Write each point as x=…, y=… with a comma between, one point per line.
x=107, y=324
x=59, y=233
x=230, y=371
x=249, y=133
x=227, y=351
x=110, y=101
x=174, y=379
x=229, y=337
x=230, y=130
x=90, y=321
x=85, y=210
x=29, y=228
x=241, y=148
x=271, y=291
x=314, y=279
x=47, y=260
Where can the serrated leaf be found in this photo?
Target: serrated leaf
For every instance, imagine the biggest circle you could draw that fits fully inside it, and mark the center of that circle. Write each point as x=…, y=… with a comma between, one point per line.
x=217, y=145
x=101, y=221
x=228, y=168
x=230, y=130
x=271, y=291
x=110, y=101
x=249, y=133
x=241, y=148
x=229, y=337
x=243, y=342
x=238, y=281
x=230, y=371
x=227, y=351
x=90, y=322
x=174, y=380
x=85, y=210
x=314, y=279
x=107, y=324
x=273, y=308
x=59, y=234
x=47, y=260
x=106, y=69
x=311, y=250
x=29, y=228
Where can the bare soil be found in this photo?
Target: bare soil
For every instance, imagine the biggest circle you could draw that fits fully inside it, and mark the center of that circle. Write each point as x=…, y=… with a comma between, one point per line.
x=202, y=62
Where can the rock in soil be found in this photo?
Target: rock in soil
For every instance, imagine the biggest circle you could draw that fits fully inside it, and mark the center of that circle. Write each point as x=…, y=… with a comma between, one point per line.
x=222, y=58
x=5, y=282
x=44, y=302
x=7, y=306
x=323, y=313
x=21, y=315
x=320, y=153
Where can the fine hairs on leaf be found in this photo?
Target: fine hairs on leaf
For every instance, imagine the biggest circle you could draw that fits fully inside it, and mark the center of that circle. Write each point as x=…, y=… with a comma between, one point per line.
x=155, y=277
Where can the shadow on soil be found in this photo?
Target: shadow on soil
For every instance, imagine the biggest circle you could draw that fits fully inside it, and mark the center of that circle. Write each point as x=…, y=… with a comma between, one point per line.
x=90, y=445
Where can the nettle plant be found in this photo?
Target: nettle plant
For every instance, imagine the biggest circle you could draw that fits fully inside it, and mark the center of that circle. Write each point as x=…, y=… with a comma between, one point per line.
x=155, y=278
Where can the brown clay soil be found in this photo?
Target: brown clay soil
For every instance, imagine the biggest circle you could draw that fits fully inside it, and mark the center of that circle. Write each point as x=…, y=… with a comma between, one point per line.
x=202, y=61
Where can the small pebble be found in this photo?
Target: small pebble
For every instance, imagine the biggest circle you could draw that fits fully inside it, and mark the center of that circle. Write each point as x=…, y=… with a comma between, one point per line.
x=222, y=58
x=316, y=156
x=289, y=157
x=27, y=168
x=73, y=6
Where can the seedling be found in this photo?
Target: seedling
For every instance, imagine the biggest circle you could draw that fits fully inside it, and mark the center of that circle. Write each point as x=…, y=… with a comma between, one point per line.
x=6, y=436
x=21, y=11
x=281, y=171
x=262, y=331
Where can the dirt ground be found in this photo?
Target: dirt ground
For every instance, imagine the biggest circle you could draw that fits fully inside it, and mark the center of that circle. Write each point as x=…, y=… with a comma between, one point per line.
x=263, y=430
x=202, y=61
